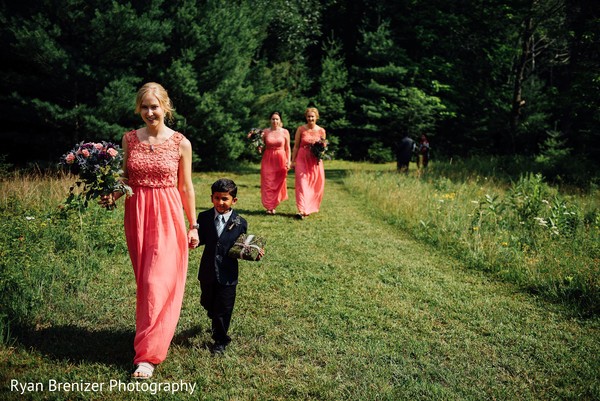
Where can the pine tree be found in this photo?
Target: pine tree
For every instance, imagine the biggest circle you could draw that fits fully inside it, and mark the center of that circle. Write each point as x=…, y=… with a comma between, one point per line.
x=333, y=93
x=73, y=69
x=390, y=106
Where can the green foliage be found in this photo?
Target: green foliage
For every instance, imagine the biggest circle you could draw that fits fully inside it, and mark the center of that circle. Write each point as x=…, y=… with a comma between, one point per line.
x=553, y=150
x=537, y=208
x=450, y=69
x=4, y=167
x=345, y=305
x=527, y=197
x=556, y=159
x=390, y=105
x=528, y=234
x=47, y=258
x=77, y=52
x=293, y=26
x=379, y=153
x=333, y=87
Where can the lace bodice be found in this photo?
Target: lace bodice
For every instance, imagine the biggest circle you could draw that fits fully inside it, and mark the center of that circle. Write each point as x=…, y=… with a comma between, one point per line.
x=273, y=140
x=310, y=136
x=153, y=165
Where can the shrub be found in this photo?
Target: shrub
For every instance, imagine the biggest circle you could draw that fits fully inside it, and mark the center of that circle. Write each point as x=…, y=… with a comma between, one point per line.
x=528, y=234
x=378, y=153
x=47, y=257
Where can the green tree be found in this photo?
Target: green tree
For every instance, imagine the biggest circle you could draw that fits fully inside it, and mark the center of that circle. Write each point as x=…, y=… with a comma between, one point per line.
x=212, y=54
x=65, y=80
x=392, y=107
x=333, y=93
x=285, y=70
x=482, y=77
x=466, y=46
x=578, y=83
x=537, y=37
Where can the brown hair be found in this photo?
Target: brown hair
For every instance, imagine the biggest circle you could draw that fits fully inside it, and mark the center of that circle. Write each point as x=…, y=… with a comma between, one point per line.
x=276, y=113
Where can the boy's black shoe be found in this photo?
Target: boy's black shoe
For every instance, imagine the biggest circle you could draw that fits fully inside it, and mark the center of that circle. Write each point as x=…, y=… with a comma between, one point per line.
x=218, y=348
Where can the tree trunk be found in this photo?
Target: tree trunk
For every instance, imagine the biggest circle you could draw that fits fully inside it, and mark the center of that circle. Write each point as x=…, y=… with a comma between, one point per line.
x=519, y=76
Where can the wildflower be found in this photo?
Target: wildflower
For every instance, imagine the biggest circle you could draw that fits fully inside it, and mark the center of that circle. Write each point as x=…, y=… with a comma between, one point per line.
x=98, y=167
x=320, y=148
x=255, y=136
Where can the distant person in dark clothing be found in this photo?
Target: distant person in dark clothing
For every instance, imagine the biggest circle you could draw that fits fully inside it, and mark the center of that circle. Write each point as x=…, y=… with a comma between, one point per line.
x=423, y=153
x=404, y=153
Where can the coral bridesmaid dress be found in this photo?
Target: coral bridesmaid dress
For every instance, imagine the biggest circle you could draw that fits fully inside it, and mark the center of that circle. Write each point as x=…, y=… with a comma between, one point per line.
x=310, y=173
x=157, y=242
x=273, y=174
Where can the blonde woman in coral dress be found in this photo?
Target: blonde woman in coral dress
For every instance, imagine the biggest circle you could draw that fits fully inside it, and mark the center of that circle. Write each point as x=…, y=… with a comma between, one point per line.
x=310, y=173
x=157, y=165
x=275, y=164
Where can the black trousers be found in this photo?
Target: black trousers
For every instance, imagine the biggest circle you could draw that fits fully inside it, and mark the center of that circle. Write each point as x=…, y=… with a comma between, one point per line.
x=218, y=300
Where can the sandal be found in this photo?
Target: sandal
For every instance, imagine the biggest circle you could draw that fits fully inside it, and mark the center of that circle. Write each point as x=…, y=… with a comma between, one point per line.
x=143, y=371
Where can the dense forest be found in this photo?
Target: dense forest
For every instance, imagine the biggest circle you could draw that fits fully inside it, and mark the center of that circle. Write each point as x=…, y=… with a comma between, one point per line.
x=512, y=78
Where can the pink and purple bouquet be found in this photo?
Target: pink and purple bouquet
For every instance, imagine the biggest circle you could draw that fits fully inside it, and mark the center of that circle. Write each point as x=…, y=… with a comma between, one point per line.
x=97, y=166
x=255, y=136
x=320, y=149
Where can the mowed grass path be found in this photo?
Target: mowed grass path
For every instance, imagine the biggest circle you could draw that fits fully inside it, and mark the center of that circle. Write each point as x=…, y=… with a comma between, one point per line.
x=343, y=307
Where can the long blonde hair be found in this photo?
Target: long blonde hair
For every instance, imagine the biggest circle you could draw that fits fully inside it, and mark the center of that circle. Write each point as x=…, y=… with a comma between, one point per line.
x=160, y=93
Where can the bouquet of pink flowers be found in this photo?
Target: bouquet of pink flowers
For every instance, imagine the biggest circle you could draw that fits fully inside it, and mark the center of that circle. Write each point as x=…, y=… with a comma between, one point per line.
x=320, y=149
x=255, y=136
x=98, y=168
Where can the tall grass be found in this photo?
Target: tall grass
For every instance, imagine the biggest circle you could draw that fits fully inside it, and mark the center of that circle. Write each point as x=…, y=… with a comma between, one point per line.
x=342, y=307
x=46, y=256
x=525, y=232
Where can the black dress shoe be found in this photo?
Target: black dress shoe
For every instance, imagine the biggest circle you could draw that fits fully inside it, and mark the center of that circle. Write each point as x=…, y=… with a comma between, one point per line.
x=218, y=348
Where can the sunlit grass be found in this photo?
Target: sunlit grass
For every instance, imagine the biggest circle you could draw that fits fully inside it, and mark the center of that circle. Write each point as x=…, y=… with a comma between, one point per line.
x=34, y=191
x=346, y=305
x=475, y=219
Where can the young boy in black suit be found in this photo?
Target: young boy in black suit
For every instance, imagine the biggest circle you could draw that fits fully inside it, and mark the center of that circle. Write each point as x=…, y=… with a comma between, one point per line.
x=218, y=272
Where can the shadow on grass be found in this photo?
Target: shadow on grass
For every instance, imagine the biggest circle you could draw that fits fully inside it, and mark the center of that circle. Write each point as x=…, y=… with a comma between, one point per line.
x=262, y=212
x=76, y=344
x=184, y=338
x=335, y=174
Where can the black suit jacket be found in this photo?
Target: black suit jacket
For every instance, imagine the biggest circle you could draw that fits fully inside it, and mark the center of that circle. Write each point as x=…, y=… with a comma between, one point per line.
x=215, y=265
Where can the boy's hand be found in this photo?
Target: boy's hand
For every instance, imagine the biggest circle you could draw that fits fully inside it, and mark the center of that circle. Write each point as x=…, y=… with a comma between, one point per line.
x=261, y=253
x=193, y=240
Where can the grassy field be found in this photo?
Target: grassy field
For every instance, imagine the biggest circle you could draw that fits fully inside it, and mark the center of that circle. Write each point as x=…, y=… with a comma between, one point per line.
x=346, y=305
